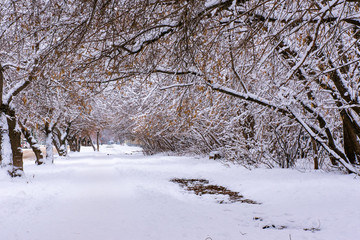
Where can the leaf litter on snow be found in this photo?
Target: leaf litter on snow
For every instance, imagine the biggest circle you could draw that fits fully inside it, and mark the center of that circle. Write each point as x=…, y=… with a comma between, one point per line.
x=203, y=186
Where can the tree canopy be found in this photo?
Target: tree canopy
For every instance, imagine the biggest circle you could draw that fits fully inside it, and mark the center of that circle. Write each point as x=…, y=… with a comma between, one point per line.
x=270, y=83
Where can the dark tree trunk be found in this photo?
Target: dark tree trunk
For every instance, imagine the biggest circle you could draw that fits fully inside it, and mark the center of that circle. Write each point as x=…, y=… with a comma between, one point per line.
x=351, y=144
x=97, y=141
x=316, y=154
x=56, y=145
x=73, y=144
x=78, y=144
x=15, y=141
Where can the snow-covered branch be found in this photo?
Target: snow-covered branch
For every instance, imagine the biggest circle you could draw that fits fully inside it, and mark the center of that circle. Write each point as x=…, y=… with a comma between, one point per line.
x=177, y=86
x=15, y=90
x=249, y=97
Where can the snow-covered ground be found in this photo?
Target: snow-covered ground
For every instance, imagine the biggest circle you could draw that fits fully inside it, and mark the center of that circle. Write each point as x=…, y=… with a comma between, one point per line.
x=120, y=194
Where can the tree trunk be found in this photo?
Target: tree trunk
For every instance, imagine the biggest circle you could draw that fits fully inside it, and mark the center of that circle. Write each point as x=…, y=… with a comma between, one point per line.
x=78, y=144
x=351, y=144
x=97, y=141
x=10, y=139
x=4, y=158
x=33, y=144
x=56, y=144
x=60, y=142
x=73, y=144
x=316, y=154
x=49, y=144
x=91, y=143
x=63, y=149
x=64, y=142
x=15, y=141
x=5, y=147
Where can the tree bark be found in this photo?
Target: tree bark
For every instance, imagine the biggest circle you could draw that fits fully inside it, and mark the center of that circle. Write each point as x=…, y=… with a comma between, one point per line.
x=60, y=142
x=56, y=144
x=97, y=141
x=91, y=143
x=15, y=141
x=33, y=144
x=316, y=154
x=78, y=144
x=351, y=144
x=72, y=143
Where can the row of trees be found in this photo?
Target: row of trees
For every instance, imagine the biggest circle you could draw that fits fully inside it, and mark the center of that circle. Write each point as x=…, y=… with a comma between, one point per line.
x=264, y=82
x=38, y=91
x=289, y=71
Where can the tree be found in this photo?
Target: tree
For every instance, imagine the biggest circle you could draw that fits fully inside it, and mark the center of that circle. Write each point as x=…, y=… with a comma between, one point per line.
x=301, y=58
x=35, y=37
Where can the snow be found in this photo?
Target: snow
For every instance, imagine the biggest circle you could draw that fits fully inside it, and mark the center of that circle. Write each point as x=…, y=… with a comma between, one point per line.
x=49, y=147
x=213, y=3
x=118, y=193
x=6, y=153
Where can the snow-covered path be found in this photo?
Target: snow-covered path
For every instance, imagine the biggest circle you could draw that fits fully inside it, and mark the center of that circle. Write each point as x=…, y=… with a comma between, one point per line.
x=121, y=194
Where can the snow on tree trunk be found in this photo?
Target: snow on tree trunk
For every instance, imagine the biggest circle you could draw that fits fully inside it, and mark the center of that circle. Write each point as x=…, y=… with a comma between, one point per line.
x=63, y=151
x=49, y=144
x=6, y=153
x=49, y=148
x=60, y=143
x=34, y=146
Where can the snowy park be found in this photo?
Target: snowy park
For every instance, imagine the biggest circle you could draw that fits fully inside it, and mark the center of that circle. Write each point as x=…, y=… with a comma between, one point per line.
x=118, y=193
x=179, y=119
